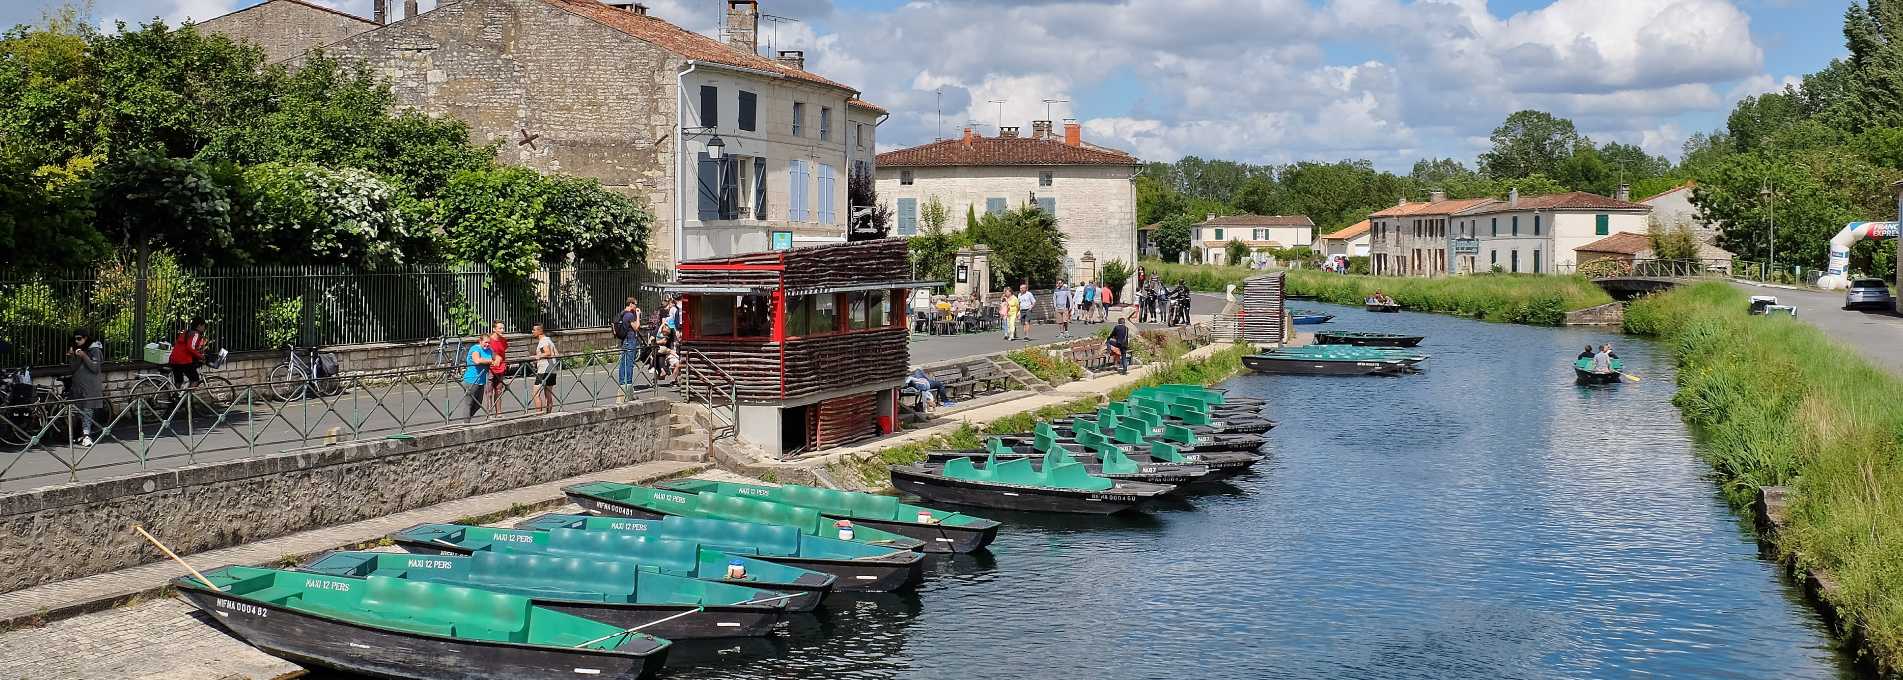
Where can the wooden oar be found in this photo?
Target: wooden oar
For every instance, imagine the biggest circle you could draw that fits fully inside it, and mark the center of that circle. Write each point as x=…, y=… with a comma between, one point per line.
x=1634, y=377
x=765, y=600
x=175, y=558
x=655, y=622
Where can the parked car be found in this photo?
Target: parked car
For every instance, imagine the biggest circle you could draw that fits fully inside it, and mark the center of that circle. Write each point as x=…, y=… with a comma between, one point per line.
x=1868, y=293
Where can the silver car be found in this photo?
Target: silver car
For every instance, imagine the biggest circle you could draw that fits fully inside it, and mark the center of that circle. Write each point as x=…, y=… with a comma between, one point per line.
x=1868, y=293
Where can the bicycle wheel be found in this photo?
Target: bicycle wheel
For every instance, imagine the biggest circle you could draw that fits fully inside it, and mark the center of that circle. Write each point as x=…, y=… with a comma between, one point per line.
x=286, y=382
x=216, y=393
x=151, y=390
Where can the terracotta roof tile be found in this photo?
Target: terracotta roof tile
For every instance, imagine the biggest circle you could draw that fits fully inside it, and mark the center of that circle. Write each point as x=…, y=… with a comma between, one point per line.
x=683, y=42
x=1624, y=243
x=869, y=106
x=1349, y=232
x=1434, y=208
x=993, y=151
x=1690, y=183
x=1572, y=200
x=1259, y=221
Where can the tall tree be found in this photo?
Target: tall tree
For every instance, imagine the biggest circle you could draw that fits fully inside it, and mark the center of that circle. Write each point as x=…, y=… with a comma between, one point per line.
x=1529, y=142
x=1876, y=58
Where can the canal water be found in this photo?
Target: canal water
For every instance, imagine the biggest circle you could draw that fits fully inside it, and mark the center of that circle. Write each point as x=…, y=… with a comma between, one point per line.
x=1483, y=519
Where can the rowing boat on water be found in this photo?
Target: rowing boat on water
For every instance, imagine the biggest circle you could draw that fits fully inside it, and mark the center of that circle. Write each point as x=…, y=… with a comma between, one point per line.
x=1016, y=484
x=941, y=531
x=401, y=628
x=628, y=500
x=1584, y=375
x=859, y=567
x=1367, y=339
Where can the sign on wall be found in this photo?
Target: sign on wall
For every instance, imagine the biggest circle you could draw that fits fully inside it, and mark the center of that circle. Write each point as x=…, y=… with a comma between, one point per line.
x=964, y=273
x=1466, y=246
x=782, y=240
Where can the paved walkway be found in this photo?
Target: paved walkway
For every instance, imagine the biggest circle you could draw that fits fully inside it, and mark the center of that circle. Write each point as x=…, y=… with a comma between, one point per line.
x=1876, y=334
x=928, y=349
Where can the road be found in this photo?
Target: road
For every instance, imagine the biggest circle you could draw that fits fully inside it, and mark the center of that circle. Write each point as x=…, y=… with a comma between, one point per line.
x=1877, y=334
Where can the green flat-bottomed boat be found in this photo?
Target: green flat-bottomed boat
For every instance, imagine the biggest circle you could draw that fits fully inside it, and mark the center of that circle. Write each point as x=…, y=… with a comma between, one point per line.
x=941, y=531
x=628, y=500
x=858, y=566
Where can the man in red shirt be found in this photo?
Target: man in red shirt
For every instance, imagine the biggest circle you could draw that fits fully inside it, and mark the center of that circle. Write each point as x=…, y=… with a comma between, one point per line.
x=499, y=369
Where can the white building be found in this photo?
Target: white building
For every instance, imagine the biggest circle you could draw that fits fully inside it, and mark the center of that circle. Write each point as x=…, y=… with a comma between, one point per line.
x=1673, y=207
x=1415, y=239
x=1209, y=239
x=1351, y=241
x=1538, y=234
x=1088, y=187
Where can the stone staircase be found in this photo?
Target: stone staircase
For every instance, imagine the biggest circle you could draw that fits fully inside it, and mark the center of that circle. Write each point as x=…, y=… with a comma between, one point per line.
x=687, y=433
x=1018, y=374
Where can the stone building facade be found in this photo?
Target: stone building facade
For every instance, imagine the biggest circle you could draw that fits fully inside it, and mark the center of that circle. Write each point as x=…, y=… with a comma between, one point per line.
x=609, y=92
x=1088, y=187
x=287, y=28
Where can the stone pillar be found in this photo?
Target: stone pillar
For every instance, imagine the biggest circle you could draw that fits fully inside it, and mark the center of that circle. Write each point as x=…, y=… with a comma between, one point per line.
x=1087, y=268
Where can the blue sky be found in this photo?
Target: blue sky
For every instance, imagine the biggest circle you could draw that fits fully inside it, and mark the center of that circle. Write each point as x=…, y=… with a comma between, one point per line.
x=1271, y=80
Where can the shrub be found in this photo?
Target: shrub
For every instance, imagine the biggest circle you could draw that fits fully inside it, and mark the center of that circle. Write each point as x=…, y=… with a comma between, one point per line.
x=1528, y=299
x=1055, y=370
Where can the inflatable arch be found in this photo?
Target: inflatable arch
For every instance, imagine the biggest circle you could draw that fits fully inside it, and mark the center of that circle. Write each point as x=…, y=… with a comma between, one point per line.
x=1836, y=275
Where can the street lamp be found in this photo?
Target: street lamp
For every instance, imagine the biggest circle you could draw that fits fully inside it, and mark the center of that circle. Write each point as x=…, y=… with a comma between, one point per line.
x=1770, y=201
x=716, y=148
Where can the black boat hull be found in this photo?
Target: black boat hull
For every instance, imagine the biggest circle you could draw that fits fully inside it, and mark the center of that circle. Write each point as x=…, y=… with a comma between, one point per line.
x=808, y=598
x=1151, y=472
x=1383, y=309
x=938, y=538
x=1313, y=367
x=1402, y=341
x=715, y=621
x=352, y=648
x=1590, y=378
x=882, y=575
x=944, y=489
x=609, y=508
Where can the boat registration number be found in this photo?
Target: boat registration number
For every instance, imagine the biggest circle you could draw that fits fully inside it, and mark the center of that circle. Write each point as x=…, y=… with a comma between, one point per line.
x=244, y=608
x=1114, y=498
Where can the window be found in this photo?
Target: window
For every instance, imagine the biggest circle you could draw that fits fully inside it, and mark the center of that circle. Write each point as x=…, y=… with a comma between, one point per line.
x=1496, y=230
x=825, y=124
x=994, y=206
x=1601, y=224
x=1513, y=258
x=1536, y=232
x=908, y=216
x=1536, y=261
x=856, y=311
x=859, y=135
x=732, y=316
x=1044, y=179
x=876, y=308
x=1516, y=225
x=812, y=314
x=799, y=117
x=1259, y=235
x=827, y=182
x=796, y=184
x=719, y=182
x=905, y=178
x=759, y=188
x=1048, y=204
x=1219, y=233
x=709, y=106
x=1493, y=257
x=749, y=103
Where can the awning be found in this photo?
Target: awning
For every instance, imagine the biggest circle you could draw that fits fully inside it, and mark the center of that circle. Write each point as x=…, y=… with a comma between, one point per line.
x=852, y=287
x=708, y=288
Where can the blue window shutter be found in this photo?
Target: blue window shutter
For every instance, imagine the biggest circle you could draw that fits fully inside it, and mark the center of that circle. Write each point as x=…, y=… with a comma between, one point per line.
x=796, y=190
x=708, y=177
x=994, y=206
x=709, y=106
x=1048, y=205
x=908, y=216
x=749, y=103
x=759, y=188
x=826, y=194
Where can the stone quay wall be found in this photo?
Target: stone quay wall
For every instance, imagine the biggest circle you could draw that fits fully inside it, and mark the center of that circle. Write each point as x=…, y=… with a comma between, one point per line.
x=73, y=530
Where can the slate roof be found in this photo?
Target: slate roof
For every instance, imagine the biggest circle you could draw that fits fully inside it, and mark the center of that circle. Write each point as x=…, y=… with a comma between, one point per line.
x=992, y=151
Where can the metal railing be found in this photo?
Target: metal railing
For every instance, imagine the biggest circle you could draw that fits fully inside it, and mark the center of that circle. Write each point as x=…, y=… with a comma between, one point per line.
x=42, y=442
x=267, y=308
x=714, y=387
x=1650, y=267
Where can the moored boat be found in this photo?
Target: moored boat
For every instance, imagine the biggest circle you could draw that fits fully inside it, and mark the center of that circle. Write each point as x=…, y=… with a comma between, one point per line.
x=678, y=558
x=1319, y=365
x=941, y=531
x=1114, y=464
x=859, y=567
x=618, y=593
x=1305, y=318
x=1017, y=485
x=1366, y=339
x=1584, y=375
x=628, y=500
x=399, y=628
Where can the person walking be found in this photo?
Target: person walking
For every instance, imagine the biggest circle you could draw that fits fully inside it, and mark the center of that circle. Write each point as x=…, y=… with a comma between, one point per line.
x=627, y=327
x=1008, y=308
x=1061, y=306
x=1104, y=299
x=476, y=377
x=1086, y=299
x=498, y=367
x=1026, y=301
x=88, y=384
x=543, y=354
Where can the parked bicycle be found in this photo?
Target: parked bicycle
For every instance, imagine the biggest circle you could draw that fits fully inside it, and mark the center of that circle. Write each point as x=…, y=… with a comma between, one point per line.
x=157, y=387
x=452, y=356
x=24, y=407
x=306, y=372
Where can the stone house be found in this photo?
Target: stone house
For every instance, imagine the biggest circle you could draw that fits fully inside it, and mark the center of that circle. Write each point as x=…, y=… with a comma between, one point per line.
x=1089, y=188
x=287, y=28
x=1209, y=239
x=1415, y=239
x=1540, y=234
x=610, y=92
x=1673, y=207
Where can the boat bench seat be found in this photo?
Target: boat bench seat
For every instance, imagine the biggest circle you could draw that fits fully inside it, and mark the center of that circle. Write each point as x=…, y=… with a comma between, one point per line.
x=423, y=626
x=274, y=594
x=673, y=557
x=1074, y=476
x=551, y=576
x=761, y=512
x=734, y=537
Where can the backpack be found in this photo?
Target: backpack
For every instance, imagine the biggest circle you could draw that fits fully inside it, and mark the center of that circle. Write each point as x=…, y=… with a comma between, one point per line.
x=621, y=326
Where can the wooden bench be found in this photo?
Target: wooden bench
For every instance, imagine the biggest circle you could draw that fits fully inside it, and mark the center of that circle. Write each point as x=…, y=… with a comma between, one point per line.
x=963, y=379
x=1090, y=354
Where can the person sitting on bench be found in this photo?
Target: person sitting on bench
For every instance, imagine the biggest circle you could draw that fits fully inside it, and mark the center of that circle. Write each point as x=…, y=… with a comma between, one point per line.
x=930, y=392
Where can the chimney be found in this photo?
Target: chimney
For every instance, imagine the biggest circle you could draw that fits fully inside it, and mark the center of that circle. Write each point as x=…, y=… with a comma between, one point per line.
x=1624, y=193
x=380, y=12
x=1400, y=201
x=409, y=8
x=1040, y=129
x=793, y=58
x=743, y=26
x=967, y=137
x=1513, y=197
x=1436, y=196
x=1073, y=133
x=1209, y=217
x=1008, y=132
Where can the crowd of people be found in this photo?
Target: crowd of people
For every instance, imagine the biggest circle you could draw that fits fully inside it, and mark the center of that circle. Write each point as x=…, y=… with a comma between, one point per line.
x=486, y=376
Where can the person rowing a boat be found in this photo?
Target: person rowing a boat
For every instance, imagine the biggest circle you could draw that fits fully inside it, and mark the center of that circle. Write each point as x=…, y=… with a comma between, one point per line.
x=1587, y=353
x=1380, y=298
x=1602, y=362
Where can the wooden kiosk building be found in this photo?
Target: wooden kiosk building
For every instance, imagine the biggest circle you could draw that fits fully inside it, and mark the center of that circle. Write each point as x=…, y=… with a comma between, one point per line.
x=813, y=338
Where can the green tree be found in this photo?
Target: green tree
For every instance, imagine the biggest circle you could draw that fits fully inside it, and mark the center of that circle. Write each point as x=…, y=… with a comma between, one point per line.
x=1026, y=246
x=181, y=205
x=595, y=225
x=1672, y=241
x=306, y=213
x=1114, y=274
x=1171, y=237
x=491, y=217
x=49, y=84
x=1531, y=185
x=1528, y=143
x=46, y=219
x=176, y=92
x=934, y=250
x=1235, y=252
x=1876, y=62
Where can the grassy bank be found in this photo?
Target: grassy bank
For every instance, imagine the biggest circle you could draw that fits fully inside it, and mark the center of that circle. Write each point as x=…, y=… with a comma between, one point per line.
x=1778, y=402
x=1539, y=300
x=871, y=470
x=1209, y=278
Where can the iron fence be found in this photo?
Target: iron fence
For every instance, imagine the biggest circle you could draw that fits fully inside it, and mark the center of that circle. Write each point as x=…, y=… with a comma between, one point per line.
x=264, y=308
x=45, y=440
